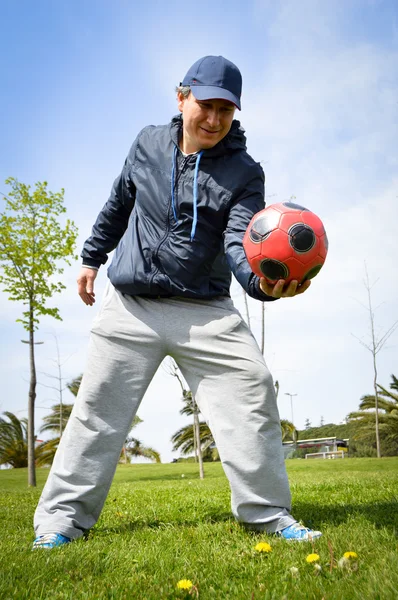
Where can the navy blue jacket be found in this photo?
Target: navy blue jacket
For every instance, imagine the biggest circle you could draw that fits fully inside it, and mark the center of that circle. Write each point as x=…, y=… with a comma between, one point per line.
x=177, y=232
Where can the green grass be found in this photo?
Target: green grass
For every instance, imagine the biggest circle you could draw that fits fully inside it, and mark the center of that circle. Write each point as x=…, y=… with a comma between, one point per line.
x=158, y=527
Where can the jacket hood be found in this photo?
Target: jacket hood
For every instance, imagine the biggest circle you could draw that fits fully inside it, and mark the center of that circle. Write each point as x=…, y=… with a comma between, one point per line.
x=233, y=141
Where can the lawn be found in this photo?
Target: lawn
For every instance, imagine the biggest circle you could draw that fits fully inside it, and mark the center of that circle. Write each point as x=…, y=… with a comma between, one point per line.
x=161, y=524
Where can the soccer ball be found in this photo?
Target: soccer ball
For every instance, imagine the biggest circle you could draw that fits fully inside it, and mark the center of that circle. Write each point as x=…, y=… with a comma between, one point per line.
x=285, y=241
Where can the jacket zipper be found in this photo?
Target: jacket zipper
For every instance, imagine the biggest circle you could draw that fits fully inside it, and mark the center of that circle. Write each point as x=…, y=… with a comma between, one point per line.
x=155, y=253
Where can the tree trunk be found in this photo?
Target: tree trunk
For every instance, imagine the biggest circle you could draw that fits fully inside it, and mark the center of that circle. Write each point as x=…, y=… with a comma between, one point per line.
x=195, y=440
x=377, y=407
x=374, y=352
x=198, y=444
x=31, y=404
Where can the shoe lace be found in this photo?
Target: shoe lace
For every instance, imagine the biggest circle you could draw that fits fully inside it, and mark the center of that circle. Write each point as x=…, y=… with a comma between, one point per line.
x=46, y=538
x=301, y=527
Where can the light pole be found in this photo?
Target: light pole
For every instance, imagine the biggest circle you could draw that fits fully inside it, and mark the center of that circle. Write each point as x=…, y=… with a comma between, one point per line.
x=291, y=402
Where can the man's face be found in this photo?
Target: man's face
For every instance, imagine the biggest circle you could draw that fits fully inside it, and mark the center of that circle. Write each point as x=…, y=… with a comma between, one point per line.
x=205, y=122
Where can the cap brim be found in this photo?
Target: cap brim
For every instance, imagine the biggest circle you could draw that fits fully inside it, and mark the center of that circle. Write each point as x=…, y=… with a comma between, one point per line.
x=208, y=92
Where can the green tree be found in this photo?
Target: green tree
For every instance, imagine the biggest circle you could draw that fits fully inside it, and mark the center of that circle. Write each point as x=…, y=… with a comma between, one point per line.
x=289, y=431
x=134, y=447
x=74, y=385
x=183, y=439
x=190, y=409
x=14, y=442
x=53, y=421
x=364, y=418
x=32, y=244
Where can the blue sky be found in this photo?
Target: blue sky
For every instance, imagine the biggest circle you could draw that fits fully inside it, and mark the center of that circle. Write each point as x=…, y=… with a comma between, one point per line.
x=320, y=109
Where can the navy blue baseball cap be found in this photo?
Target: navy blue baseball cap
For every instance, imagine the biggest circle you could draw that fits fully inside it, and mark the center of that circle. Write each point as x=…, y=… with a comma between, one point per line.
x=214, y=77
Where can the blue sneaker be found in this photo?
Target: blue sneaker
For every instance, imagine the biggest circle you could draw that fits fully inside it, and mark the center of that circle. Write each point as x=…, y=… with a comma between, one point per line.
x=298, y=533
x=50, y=540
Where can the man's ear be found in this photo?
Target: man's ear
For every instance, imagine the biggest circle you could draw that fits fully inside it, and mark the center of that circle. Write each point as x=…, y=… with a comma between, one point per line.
x=180, y=101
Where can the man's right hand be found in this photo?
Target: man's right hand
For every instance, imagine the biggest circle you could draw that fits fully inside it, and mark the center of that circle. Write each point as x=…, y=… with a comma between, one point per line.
x=85, y=285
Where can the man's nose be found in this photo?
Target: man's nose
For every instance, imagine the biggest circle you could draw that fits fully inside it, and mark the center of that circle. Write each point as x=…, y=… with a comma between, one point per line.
x=213, y=118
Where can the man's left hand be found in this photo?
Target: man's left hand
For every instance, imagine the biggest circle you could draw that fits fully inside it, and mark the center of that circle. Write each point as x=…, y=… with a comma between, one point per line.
x=278, y=290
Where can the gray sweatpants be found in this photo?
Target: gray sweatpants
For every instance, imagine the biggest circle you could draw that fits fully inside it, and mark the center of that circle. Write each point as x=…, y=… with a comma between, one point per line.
x=225, y=370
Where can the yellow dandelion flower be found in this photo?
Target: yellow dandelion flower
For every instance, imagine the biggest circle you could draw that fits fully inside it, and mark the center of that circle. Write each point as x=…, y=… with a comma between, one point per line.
x=311, y=558
x=263, y=547
x=184, y=584
x=350, y=555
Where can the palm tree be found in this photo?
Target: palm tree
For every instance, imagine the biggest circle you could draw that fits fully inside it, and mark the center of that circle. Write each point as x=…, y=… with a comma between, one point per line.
x=184, y=439
x=134, y=447
x=288, y=430
x=14, y=442
x=74, y=385
x=190, y=409
x=364, y=418
x=53, y=421
x=46, y=452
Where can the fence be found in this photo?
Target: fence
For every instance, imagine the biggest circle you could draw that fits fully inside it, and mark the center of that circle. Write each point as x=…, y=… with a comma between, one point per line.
x=331, y=455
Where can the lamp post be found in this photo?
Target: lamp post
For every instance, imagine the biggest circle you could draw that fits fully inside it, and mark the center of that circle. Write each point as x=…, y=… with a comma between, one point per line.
x=291, y=402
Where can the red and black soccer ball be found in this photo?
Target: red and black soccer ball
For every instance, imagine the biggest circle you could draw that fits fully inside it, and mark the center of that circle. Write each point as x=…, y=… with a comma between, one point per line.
x=285, y=241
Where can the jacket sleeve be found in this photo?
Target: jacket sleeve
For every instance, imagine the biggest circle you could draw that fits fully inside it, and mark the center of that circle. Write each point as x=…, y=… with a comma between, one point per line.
x=248, y=203
x=113, y=219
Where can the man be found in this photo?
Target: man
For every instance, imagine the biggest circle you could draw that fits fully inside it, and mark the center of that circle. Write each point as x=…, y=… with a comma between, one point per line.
x=176, y=216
